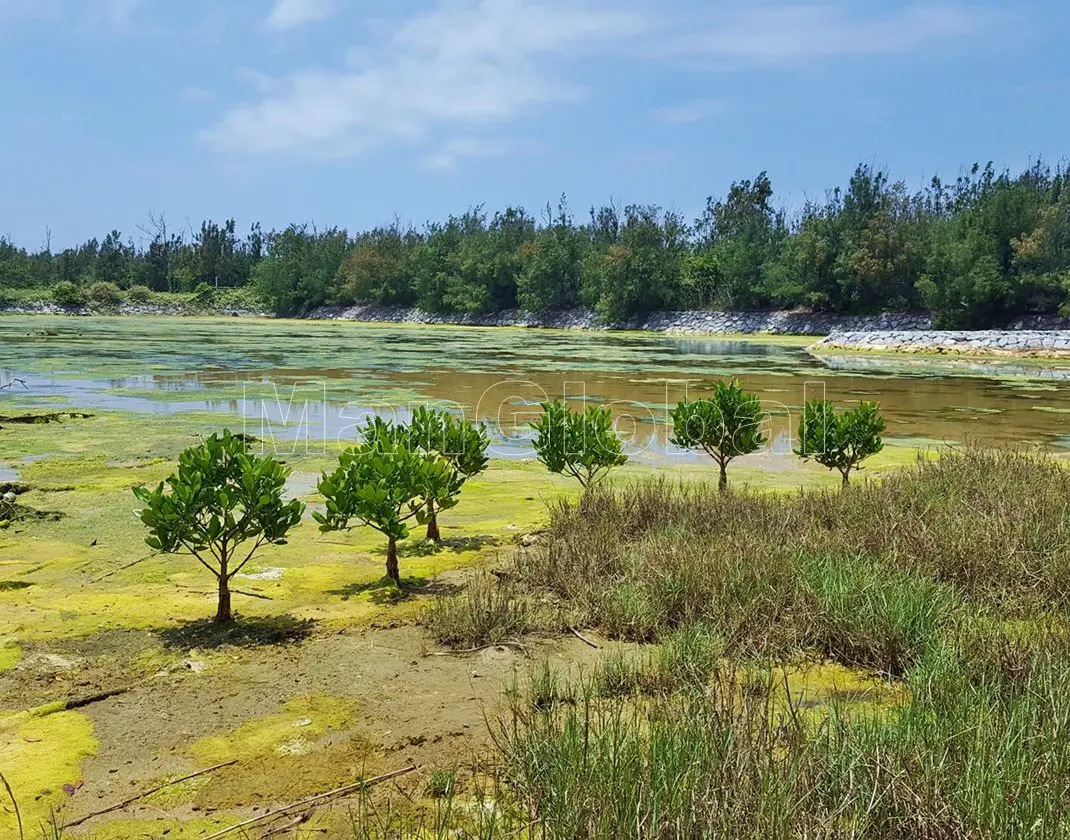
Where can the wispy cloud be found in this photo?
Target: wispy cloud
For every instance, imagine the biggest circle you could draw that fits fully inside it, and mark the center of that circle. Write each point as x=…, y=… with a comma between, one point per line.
x=288, y=14
x=454, y=150
x=462, y=64
x=787, y=35
x=688, y=112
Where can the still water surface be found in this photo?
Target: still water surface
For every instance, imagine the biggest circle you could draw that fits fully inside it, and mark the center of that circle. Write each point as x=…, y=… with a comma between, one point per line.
x=331, y=375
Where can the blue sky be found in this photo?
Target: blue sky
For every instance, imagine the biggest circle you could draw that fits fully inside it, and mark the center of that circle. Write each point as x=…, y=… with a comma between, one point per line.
x=350, y=112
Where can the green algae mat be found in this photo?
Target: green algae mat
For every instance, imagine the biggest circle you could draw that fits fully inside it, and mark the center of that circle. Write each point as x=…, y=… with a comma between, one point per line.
x=87, y=607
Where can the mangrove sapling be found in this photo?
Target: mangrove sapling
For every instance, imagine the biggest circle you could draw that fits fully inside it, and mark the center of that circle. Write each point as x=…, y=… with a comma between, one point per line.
x=385, y=485
x=458, y=442
x=840, y=441
x=725, y=425
x=221, y=499
x=580, y=444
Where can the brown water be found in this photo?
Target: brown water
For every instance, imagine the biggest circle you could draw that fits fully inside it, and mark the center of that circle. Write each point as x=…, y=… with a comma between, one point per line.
x=333, y=374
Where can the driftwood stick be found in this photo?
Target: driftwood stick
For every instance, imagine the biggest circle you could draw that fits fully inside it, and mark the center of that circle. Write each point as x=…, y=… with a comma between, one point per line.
x=516, y=645
x=290, y=826
x=312, y=800
x=584, y=639
x=120, y=805
x=82, y=702
x=15, y=802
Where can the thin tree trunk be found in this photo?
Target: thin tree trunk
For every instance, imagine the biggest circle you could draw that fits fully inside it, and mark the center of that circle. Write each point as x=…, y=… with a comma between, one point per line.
x=392, y=561
x=432, y=523
x=846, y=478
x=722, y=485
x=223, y=613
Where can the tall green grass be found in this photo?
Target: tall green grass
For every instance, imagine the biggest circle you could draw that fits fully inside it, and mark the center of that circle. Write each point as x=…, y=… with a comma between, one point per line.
x=869, y=576
x=951, y=578
x=738, y=759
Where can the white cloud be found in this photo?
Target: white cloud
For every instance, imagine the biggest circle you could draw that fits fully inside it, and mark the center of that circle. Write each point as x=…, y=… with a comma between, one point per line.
x=688, y=112
x=455, y=149
x=796, y=34
x=465, y=63
x=287, y=14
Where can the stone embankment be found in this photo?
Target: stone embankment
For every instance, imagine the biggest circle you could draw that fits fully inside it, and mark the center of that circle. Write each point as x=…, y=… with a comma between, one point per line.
x=145, y=309
x=909, y=332
x=795, y=322
x=1025, y=342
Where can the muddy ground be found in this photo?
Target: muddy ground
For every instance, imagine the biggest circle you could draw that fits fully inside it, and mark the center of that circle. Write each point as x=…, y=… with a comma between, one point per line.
x=301, y=717
x=329, y=677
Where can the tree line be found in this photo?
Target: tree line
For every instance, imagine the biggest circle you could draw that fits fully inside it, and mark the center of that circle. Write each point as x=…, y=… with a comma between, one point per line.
x=976, y=252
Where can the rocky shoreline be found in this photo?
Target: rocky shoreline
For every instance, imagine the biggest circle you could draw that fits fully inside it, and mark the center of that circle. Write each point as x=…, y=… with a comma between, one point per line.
x=911, y=332
x=1039, y=343
x=793, y=322
x=149, y=310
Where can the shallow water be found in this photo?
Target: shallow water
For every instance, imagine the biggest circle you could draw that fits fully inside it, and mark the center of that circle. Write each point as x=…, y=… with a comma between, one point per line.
x=316, y=381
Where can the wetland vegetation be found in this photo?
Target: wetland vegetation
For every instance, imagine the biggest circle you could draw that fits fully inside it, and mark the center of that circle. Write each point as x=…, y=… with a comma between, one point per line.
x=976, y=252
x=652, y=658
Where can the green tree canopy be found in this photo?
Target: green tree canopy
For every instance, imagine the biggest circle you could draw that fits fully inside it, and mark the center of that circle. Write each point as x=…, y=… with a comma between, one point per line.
x=221, y=507
x=580, y=444
x=840, y=441
x=725, y=425
x=384, y=485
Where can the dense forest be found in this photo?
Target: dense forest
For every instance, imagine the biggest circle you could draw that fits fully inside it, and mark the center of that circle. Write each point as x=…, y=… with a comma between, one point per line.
x=990, y=246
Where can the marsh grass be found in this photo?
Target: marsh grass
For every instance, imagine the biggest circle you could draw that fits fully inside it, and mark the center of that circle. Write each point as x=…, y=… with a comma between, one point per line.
x=951, y=576
x=963, y=759
x=487, y=612
x=685, y=660
x=870, y=576
x=868, y=616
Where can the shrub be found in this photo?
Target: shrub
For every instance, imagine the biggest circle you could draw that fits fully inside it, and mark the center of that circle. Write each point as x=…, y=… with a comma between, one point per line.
x=725, y=425
x=384, y=485
x=203, y=294
x=840, y=441
x=220, y=500
x=139, y=294
x=580, y=444
x=67, y=294
x=105, y=294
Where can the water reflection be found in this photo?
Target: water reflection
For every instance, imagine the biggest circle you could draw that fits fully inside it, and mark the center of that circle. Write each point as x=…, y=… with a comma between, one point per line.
x=314, y=384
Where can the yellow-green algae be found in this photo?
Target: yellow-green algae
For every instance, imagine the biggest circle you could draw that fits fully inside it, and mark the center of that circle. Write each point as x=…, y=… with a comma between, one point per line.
x=91, y=570
x=39, y=754
x=10, y=654
x=821, y=685
x=284, y=756
x=304, y=719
